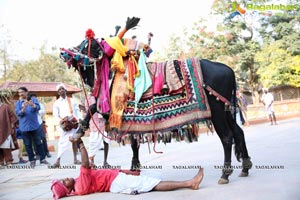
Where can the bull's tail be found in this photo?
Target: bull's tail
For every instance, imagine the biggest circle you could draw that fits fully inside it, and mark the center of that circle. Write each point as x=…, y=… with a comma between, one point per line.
x=234, y=99
x=237, y=142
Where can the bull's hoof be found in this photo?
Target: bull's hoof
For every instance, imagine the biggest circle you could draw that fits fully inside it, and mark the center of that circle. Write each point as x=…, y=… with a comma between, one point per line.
x=83, y=125
x=243, y=174
x=79, y=133
x=135, y=165
x=223, y=181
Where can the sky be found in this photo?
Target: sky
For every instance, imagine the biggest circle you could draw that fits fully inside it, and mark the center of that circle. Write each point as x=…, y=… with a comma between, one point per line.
x=62, y=23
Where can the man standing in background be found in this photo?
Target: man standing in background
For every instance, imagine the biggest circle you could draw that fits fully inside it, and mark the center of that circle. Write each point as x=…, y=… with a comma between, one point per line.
x=41, y=115
x=268, y=99
x=8, y=121
x=65, y=108
x=27, y=111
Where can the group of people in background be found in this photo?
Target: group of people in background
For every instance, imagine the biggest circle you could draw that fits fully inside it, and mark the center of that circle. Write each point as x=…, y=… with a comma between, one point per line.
x=27, y=109
x=22, y=124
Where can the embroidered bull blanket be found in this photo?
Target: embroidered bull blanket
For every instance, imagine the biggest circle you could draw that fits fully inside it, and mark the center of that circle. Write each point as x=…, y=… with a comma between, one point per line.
x=168, y=112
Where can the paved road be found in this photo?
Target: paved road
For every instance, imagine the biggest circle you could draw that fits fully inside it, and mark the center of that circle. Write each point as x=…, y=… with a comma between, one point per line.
x=275, y=174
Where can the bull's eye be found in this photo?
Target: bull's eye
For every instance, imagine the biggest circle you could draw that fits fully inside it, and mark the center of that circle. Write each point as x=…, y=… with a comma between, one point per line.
x=100, y=55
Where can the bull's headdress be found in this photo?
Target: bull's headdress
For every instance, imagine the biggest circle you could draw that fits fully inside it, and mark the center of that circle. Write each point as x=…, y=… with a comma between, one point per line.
x=90, y=51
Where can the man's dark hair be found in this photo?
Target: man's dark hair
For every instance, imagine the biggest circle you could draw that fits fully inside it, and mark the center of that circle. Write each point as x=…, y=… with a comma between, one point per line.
x=23, y=88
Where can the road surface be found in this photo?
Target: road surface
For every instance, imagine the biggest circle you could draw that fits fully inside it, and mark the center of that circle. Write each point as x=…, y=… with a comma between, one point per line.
x=275, y=174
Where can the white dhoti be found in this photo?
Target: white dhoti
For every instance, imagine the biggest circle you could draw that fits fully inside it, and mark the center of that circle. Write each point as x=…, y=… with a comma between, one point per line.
x=8, y=143
x=95, y=141
x=129, y=184
x=64, y=143
x=269, y=110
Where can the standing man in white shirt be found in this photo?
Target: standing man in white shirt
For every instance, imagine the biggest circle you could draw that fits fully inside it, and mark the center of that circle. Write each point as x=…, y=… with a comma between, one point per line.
x=65, y=107
x=268, y=99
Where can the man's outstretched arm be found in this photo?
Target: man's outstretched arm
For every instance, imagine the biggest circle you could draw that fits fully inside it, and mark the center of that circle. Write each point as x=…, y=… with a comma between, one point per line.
x=84, y=155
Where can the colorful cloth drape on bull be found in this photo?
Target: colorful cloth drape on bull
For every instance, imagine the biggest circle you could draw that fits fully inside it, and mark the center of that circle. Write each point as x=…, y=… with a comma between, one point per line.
x=168, y=112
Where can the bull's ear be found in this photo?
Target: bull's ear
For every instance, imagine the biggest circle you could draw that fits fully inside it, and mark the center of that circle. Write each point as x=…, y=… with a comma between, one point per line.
x=132, y=22
x=117, y=30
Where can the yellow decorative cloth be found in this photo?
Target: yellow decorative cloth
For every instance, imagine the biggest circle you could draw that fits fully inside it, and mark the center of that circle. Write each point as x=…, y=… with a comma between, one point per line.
x=119, y=98
x=117, y=59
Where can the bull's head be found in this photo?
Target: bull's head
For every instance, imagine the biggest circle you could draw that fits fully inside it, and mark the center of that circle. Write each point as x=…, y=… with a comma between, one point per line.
x=86, y=53
x=85, y=56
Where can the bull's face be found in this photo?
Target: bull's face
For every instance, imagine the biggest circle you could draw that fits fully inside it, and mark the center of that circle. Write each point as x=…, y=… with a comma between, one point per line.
x=88, y=52
x=83, y=58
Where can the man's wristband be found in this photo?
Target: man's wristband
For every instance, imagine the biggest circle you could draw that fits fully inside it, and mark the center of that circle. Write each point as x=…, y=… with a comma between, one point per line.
x=82, y=147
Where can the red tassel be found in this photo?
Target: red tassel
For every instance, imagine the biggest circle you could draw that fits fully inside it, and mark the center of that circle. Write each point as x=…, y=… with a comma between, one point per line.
x=89, y=34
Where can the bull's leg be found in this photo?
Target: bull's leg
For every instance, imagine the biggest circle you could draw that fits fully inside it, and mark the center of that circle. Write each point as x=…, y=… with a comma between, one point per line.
x=241, y=151
x=225, y=133
x=226, y=139
x=84, y=124
x=135, y=163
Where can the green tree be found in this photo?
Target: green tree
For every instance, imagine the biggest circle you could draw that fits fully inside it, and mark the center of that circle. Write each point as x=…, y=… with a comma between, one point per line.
x=262, y=49
x=232, y=42
x=48, y=68
x=278, y=66
x=4, y=49
x=279, y=59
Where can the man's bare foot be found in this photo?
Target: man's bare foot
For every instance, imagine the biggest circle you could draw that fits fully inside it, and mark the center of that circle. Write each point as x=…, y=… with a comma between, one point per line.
x=77, y=162
x=197, y=179
x=106, y=165
x=56, y=165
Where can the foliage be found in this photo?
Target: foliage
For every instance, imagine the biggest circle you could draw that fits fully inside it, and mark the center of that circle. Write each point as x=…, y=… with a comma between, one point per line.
x=262, y=49
x=279, y=59
x=231, y=42
x=48, y=68
x=277, y=66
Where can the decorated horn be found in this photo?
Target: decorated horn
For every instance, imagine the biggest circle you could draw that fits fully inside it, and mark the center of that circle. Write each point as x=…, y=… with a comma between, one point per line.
x=150, y=35
x=117, y=29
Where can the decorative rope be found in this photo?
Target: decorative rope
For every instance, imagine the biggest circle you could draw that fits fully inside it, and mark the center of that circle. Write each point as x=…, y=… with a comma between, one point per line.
x=216, y=94
x=85, y=95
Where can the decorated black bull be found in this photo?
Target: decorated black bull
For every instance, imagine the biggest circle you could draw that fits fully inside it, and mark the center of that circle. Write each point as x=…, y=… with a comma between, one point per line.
x=134, y=106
